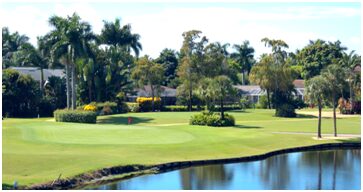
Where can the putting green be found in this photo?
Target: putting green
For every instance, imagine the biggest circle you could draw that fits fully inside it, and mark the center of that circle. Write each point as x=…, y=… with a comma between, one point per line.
x=64, y=133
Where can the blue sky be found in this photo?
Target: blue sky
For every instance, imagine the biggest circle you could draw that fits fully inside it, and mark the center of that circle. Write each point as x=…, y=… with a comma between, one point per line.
x=161, y=24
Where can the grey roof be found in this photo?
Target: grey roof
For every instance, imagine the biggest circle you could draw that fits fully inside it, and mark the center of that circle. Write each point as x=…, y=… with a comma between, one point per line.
x=250, y=89
x=34, y=72
x=146, y=92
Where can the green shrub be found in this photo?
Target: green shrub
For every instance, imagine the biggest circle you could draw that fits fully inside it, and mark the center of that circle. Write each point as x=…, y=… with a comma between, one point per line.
x=76, y=116
x=175, y=108
x=46, y=107
x=262, y=102
x=244, y=103
x=212, y=119
x=112, y=105
x=285, y=110
x=133, y=107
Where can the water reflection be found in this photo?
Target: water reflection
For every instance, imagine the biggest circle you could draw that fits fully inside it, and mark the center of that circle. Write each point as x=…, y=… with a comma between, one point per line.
x=333, y=169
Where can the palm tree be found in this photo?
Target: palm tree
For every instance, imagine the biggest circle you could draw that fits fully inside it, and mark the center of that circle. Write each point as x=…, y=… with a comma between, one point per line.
x=349, y=62
x=244, y=56
x=72, y=41
x=315, y=92
x=335, y=77
x=115, y=35
x=11, y=44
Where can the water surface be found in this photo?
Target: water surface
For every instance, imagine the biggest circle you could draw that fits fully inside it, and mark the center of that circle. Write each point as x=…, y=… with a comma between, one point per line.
x=331, y=169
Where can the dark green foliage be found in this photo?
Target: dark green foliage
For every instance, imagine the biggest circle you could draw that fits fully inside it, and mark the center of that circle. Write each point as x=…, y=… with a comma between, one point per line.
x=299, y=103
x=54, y=90
x=146, y=106
x=285, y=110
x=46, y=107
x=21, y=95
x=75, y=116
x=212, y=119
x=318, y=55
x=169, y=61
x=245, y=103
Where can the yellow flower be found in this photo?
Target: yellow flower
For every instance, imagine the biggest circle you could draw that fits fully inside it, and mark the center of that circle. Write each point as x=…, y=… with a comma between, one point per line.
x=90, y=108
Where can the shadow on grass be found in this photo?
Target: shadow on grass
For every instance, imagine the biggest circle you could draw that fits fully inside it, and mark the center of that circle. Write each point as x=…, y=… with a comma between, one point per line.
x=247, y=127
x=117, y=120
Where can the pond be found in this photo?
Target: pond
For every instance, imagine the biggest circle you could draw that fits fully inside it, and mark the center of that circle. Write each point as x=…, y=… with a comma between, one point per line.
x=330, y=169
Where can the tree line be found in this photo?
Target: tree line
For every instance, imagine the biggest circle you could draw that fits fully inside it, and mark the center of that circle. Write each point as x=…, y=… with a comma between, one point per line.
x=98, y=67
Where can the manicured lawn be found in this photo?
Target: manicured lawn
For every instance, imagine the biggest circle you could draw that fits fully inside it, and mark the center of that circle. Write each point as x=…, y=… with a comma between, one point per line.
x=38, y=150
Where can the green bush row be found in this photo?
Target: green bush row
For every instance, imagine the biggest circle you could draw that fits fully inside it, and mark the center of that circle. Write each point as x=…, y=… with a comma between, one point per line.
x=76, y=116
x=212, y=119
x=108, y=108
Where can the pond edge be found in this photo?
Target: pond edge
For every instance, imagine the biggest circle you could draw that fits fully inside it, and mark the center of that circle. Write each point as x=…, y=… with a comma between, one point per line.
x=129, y=171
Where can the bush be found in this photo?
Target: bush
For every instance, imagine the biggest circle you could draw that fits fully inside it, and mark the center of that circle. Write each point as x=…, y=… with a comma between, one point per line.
x=106, y=110
x=46, y=108
x=133, y=107
x=90, y=107
x=285, y=110
x=112, y=105
x=212, y=119
x=299, y=103
x=75, y=116
x=262, y=102
x=244, y=103
x=145, y=103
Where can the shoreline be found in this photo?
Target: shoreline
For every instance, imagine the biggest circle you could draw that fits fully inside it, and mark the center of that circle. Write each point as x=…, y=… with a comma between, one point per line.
x=115, y=173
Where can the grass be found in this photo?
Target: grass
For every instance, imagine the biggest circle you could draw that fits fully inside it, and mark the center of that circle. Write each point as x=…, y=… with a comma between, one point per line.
x=38, y=150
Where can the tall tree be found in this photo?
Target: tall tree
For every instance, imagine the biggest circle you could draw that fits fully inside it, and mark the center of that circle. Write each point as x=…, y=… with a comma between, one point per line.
x=168, y=59
x=335, y=77
x=191, y=55
x=349, y=62
x=11, y=44
x=120, y=36
x=244, y=57
x=315, y=93
x=149, y=73
x=317, y=55
x=73, y=38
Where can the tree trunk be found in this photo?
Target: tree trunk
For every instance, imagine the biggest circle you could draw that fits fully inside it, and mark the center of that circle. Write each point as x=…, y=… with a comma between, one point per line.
x=268, y=98
x=41, y=80
x=222, y=109
x=152, y=98
x=73, y=87
x=319, y=121
x=90, y=91
x=68, y=87
x=334, y=118
x=351, y=97
x=190, y=96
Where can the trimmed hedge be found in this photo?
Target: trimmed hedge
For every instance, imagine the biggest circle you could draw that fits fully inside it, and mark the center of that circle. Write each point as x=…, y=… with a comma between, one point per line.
x=75, y=116
x=212, y=119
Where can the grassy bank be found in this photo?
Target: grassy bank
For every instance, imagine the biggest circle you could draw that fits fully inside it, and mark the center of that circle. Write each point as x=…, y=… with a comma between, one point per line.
x=39, y=150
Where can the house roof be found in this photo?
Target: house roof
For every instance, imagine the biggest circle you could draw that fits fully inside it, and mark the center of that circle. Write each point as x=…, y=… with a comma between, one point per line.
x=299, y=83
x=146, y=91
x=256, y=90
x=35, y=73
x=250, y=89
